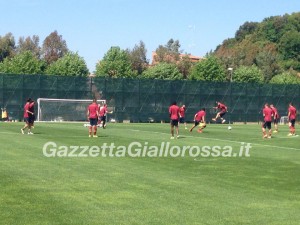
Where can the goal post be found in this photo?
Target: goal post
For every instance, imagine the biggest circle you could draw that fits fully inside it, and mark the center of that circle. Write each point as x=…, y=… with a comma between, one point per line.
x=58, y=110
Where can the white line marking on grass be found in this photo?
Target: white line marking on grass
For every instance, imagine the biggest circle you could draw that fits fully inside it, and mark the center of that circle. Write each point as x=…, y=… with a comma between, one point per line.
x=289, y=137
x=217, y=139
x=204, y=159
x=8, y=133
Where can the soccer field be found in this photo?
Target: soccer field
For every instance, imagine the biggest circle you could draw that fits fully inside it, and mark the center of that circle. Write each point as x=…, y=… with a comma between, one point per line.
x=39, y=188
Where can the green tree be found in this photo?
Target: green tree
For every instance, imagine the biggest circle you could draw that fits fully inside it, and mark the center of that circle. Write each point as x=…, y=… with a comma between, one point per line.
x=272, y=45
x=185, y=65
x=71, y=64
x=29, y=44
x=208, y=69
x=286, y=78
x=54, y=47
x=246, y=29
x=168, y=53
x=248, y=74
x=23, y=63
x=164, y=71
x=138, y=57
x=289, y=46
x=268, y=61
x=7, y=46
x=115, y=63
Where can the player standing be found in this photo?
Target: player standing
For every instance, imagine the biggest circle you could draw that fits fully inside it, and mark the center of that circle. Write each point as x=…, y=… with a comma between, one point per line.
x=222, y=111
x=27, y=115
x=199, y=118
x=267, y=113
x=174, y=116
x=292, y=114
x=4, y=115
x=92, y=114
x=182, y=115
x=275, y=117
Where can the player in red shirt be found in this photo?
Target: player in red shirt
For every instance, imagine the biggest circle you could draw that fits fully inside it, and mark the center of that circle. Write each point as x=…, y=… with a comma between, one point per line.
x=222, y=111
x=199, y=118
x=182, y=115
x=267, y=113
x=292, y=114
x=27, y=116
x=174, y=116
x=92, y=114
x=102, y=115
x=32, y=115
x=276, y=118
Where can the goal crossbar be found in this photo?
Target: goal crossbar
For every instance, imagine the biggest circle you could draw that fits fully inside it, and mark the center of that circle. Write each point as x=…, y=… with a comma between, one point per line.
x=60, y=100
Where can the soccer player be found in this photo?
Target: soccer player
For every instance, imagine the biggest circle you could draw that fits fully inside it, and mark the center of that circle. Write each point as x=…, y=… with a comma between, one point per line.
x=102, y=115
x=275, y=117
x=292, y=114
x=182, y=115
x=267, y=113
x=174, y=116
x=4, y=115
x=27, y=114
x=222, y=111
x=31, y=118
x=92, y=114
x=199, y=118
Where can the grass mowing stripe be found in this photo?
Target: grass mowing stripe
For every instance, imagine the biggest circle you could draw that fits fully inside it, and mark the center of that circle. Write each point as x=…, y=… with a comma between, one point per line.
x=261, y=189
x=224, y=140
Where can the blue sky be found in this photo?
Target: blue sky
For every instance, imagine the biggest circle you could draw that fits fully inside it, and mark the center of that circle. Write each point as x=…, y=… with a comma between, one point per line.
x=91, y=27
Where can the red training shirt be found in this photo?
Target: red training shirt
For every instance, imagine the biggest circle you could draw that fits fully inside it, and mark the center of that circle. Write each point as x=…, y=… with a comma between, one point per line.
x=103, y=111
x=174, y=112
x=182, y=112
x=267, y=112
x=222, y=107
x=292, y=113
x=199, y=115
x=26, y=108
x=93, y=109
x=275, y=113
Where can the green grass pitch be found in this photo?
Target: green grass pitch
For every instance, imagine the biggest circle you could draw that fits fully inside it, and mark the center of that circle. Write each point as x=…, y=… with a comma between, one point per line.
x=261, y=189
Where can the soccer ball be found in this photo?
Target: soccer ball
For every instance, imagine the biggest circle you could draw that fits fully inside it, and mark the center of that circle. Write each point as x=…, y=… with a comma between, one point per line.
x=229, y=128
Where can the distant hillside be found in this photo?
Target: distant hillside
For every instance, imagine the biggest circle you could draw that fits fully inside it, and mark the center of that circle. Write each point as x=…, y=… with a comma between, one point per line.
x=273, y=45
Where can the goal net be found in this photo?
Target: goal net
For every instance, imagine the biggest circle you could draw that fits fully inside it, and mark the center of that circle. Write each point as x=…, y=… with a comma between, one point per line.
x=58, y=110
x=284, y=120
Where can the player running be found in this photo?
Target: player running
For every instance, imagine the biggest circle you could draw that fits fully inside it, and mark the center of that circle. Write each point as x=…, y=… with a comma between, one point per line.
x=92, y=115
x=292, y=119
x=31, y=115
x=27, y=117
x=174, y=116
x=275, y=117
x=199, y=118
x=102, y=115
x=267, y=113
x=182, y=115
x=222, y=111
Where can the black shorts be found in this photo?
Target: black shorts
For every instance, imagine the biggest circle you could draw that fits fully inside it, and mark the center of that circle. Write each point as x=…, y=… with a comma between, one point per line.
x=174, y=123
x=196, y=122
x=293, y=121
x=93, y=121
x=102, y=118
x=181, y=120
x=267, y=124
x=222, y=113
x=276, y=121
x=31, y=118
x=26, y=119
